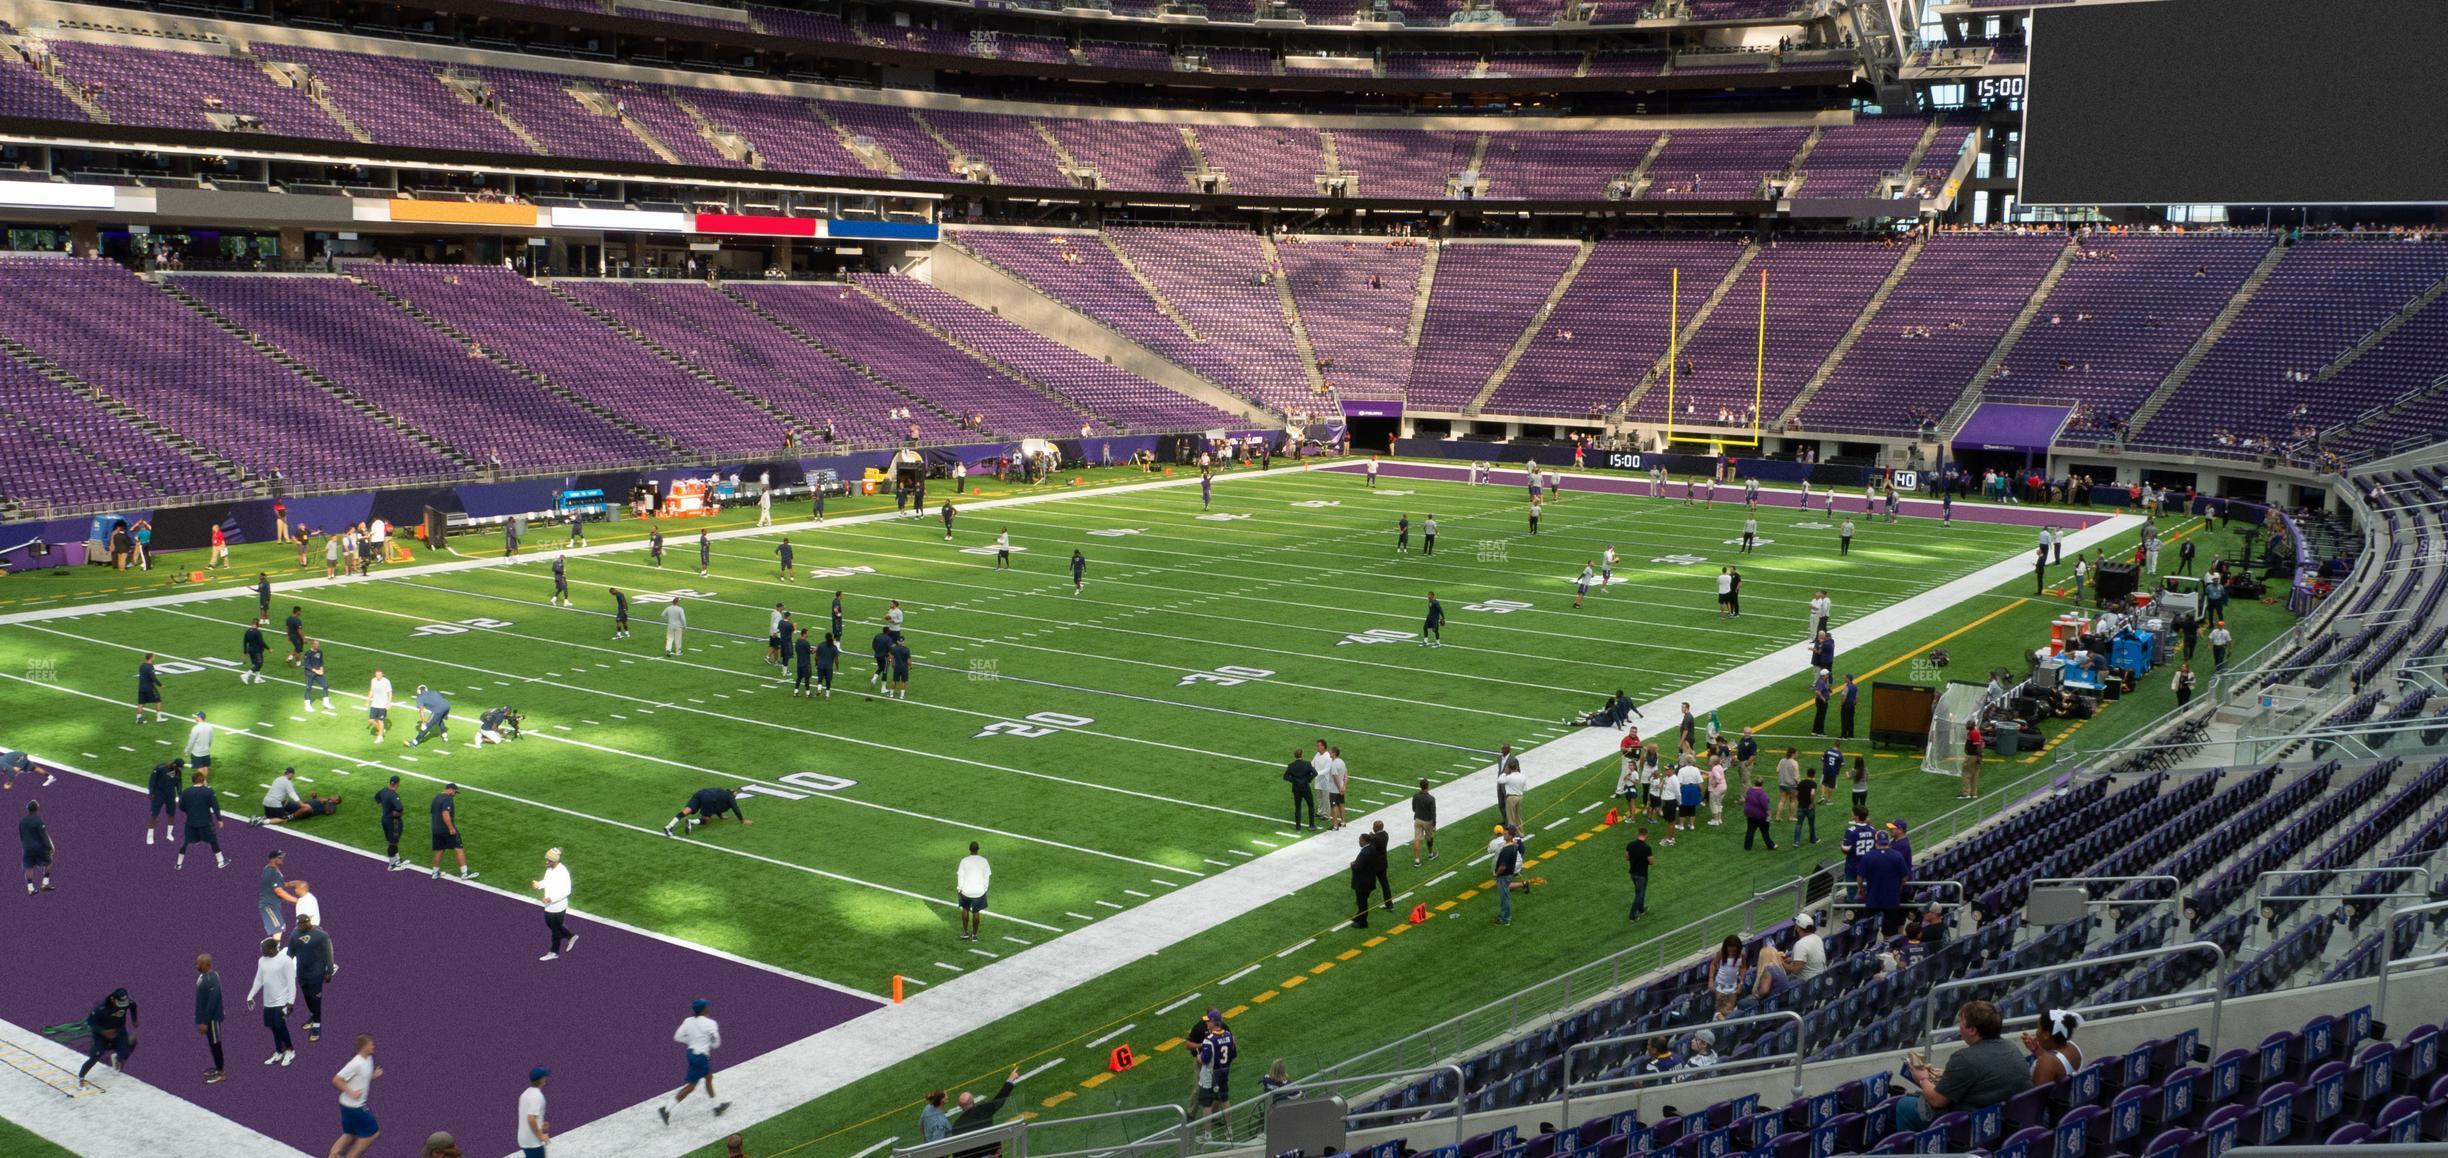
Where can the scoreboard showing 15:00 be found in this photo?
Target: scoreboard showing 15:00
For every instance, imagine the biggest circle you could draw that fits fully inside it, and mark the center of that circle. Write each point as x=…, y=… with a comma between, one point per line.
x=1992, y=88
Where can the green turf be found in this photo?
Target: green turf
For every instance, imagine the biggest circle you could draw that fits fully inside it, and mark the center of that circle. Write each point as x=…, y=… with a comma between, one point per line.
x=18, y=1142
x=1170, y=780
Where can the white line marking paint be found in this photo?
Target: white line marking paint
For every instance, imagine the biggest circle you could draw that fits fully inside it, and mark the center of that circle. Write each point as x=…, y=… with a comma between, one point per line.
x=1293, y=949
x=1179, y=1004
x=1238, y=976
x=1027, y=1074
x=1109, y=904
x=1109, y=1037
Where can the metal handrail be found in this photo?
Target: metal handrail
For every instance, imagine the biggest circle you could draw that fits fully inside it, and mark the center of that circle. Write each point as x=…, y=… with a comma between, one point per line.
x=1800, y=1051
x=2259, y=897
x=2388, y=952
x=1180, y=1130
x=2126, y=880
x=1460, y=1099
x=1957, y=903
x=2217, y=994
x=1010, y=1139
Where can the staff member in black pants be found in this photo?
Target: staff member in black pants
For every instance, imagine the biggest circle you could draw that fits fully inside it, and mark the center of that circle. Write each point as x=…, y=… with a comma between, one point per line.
x=1365, y=869
x=208, y=1013
x=1301, y=774
x=311, y=948
x=2040, y=564
x=1384, y=841
x=394, y=821
x=1845, y=703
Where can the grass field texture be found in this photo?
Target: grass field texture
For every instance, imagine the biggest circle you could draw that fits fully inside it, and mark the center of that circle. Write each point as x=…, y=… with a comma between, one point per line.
x=1105, y=746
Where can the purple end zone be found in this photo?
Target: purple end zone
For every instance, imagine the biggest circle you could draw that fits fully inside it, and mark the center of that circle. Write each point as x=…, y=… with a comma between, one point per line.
x=443, y=975
x=1848, y=501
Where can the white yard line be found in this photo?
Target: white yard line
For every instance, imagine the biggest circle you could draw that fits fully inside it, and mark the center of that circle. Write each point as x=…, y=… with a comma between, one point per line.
x=822, y=1063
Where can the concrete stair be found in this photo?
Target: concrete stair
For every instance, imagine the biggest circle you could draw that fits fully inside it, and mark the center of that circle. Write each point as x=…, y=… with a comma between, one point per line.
x=1140, y=276
x=470, y=89
x=729, y=144
x=466, y=341
x=1708, y=306
x=1419, y=296
x=971, y=166
x=1962, y=407
x=604, y=104
x=68, y=89
x=853, y=364
x=1921, y=148
x=1531, y=331
x=873, y=157
x=298, y=77
x=1071, y=166
x=1000, y=366
x=1861, y=325
x=351, y=398
x=224, y=467
x=2210, y=335
x=1291, y=311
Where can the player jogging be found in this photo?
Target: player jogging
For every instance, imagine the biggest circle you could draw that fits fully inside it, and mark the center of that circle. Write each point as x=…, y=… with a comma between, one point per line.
x=1402, y=535
x=705, y=554
x=252, y=645
x=881, y=645
x=699, y=1036
x=1432, y=631
x=295, y=628
x=1428, y=536
x=654, y=545
x=560, y=595
x=444, y=813
x=148, y=690
x=705, y=806
x=620, y=614
x=782, y=552
x=1079, y=571
x=378, y=705
x=1002, y=544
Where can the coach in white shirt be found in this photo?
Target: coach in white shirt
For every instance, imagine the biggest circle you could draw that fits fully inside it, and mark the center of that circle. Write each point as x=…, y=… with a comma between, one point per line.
x=1820, y=608
x=556, y=889
x=970, y=881
x=1515, y=782
x=675, y=627
x=276, y=983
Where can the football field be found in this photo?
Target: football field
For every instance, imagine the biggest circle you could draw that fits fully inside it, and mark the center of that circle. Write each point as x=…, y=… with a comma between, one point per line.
x=1106, y=746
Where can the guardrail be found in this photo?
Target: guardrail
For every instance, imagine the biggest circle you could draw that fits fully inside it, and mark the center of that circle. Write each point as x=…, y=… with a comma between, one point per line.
x=1461, y=1096
x=1011, y=1139
x=2216, y=993
x=1800, y=1050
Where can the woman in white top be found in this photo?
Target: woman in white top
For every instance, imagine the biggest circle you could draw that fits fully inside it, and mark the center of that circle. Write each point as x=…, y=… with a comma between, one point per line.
x=1725, y=974
x=2051, y=1046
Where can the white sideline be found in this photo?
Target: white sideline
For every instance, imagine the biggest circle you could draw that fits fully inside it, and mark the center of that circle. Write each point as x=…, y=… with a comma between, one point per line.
x=537, y=552
x=128, y=1117
x=947, y=1010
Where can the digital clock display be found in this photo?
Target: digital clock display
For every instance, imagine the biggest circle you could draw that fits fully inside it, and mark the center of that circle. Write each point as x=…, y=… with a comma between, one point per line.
x=1999, y=88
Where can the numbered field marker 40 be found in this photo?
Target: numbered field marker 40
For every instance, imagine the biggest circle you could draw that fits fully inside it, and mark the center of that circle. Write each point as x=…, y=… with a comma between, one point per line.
x=1033, y=726
x=1225, y=676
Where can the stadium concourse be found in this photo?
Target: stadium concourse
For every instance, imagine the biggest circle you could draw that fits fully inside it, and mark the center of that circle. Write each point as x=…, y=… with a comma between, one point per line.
x=784, y=1052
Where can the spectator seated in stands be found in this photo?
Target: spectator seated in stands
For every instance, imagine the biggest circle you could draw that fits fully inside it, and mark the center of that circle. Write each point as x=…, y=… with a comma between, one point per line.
x=2051, y=1046
x=1984, y=1073
x=1661, y=1056
x=1614, y=714
x=1701, y=1051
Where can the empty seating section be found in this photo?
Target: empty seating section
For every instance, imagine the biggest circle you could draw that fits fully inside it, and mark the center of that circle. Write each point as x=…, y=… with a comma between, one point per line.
x=1219, y=280
x=26, y=92
x=1534, y=64
x=544, y=105
x=1432, y=64
x=1965, y=290
x=1078, y=270
x=512, y=318
x=1815, y=290
x=1108, y=54
x=1485, y=292
x=810, y=25
x=1629, y=62
x=1740, y=9
x=181, y=89
x=713, y=330
x=864, y=331
x=1610, y=327
x=388, y=358
x=1355, y=327
x=1039, y=49
x=1123, y=398
x=1720, y=164
x=101, y=323
x=1544, y=165
x=1128, y=155
x=785, y=132
x=899, y=134
x=1397, y=163
x=62, y=448
x=1265, y=159
x=2125, y=312
x=706, y=18
x=651, y=107
x=2325, y=295
x=1850, y=160
x=1009, y=144
x=1245, y=61
x=400, y=100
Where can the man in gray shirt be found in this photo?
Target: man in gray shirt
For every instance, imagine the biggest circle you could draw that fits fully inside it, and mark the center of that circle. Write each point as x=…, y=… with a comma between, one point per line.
x=272, y=895
x=1985, y=1072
